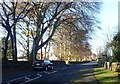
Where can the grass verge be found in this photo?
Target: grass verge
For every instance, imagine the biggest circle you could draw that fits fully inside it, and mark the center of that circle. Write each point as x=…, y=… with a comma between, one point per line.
x=105, y=76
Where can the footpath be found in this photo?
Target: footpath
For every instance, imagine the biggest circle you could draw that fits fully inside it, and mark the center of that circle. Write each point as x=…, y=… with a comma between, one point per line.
x=85, y=75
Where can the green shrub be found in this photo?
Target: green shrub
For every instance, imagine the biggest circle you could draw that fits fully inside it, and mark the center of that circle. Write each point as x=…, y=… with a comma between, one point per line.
x=113, y=59
x=117, y=55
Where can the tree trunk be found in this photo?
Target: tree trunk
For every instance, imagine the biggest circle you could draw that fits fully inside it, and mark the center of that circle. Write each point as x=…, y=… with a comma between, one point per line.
x=13, y=48
x=28, y=40
x=5, y=48
x=48, y=50
x=15, y=44
x=41, y=51
x=45, y=51
x=28, y=46
x=33, y=53
x=14, y=35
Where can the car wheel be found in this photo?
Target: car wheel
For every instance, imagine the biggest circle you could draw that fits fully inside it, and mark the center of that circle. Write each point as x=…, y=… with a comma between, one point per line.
x=46, y=68
x=52, y=67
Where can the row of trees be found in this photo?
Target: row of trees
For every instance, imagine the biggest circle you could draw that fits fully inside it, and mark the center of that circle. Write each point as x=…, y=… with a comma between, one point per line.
x=36, y=19
x=68, y=43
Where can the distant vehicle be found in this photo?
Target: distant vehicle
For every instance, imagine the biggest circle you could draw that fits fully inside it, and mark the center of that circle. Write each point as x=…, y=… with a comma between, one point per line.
x=93, y=60
x=42, y=64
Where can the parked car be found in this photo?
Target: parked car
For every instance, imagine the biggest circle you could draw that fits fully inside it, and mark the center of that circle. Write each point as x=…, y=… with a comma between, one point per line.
x=42, y=64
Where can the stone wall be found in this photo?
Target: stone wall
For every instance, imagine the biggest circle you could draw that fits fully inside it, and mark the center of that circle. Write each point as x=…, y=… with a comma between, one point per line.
x=24, y=65
x=115, y=66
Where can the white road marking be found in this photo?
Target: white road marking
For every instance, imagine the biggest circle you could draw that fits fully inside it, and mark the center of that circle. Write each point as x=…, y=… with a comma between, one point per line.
x=31, y=79
x=38, y=74
x=17, y=78
x=52, y=72
x=26, y=78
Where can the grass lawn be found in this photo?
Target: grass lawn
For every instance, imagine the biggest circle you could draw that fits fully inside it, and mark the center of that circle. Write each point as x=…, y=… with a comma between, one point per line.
x=105, y=76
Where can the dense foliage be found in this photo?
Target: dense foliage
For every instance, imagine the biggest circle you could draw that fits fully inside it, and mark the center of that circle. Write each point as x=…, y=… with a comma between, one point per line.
x=117, y=46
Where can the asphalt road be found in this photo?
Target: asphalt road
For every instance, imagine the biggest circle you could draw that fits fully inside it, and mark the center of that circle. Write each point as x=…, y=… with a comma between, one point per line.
x=60, y=75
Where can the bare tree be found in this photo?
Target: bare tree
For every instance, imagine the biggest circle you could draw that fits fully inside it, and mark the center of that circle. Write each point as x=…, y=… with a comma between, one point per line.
x=51, y=14
x=9, y=18
x=45, y=15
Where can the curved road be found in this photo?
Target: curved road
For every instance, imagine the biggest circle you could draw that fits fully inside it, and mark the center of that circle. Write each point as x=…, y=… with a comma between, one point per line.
x=60, y=75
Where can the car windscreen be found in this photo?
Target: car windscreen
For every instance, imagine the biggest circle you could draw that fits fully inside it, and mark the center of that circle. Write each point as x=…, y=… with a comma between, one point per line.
x=39, y=61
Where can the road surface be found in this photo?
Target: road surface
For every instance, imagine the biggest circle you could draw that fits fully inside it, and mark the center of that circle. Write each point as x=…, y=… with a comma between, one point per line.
x=60, y=75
